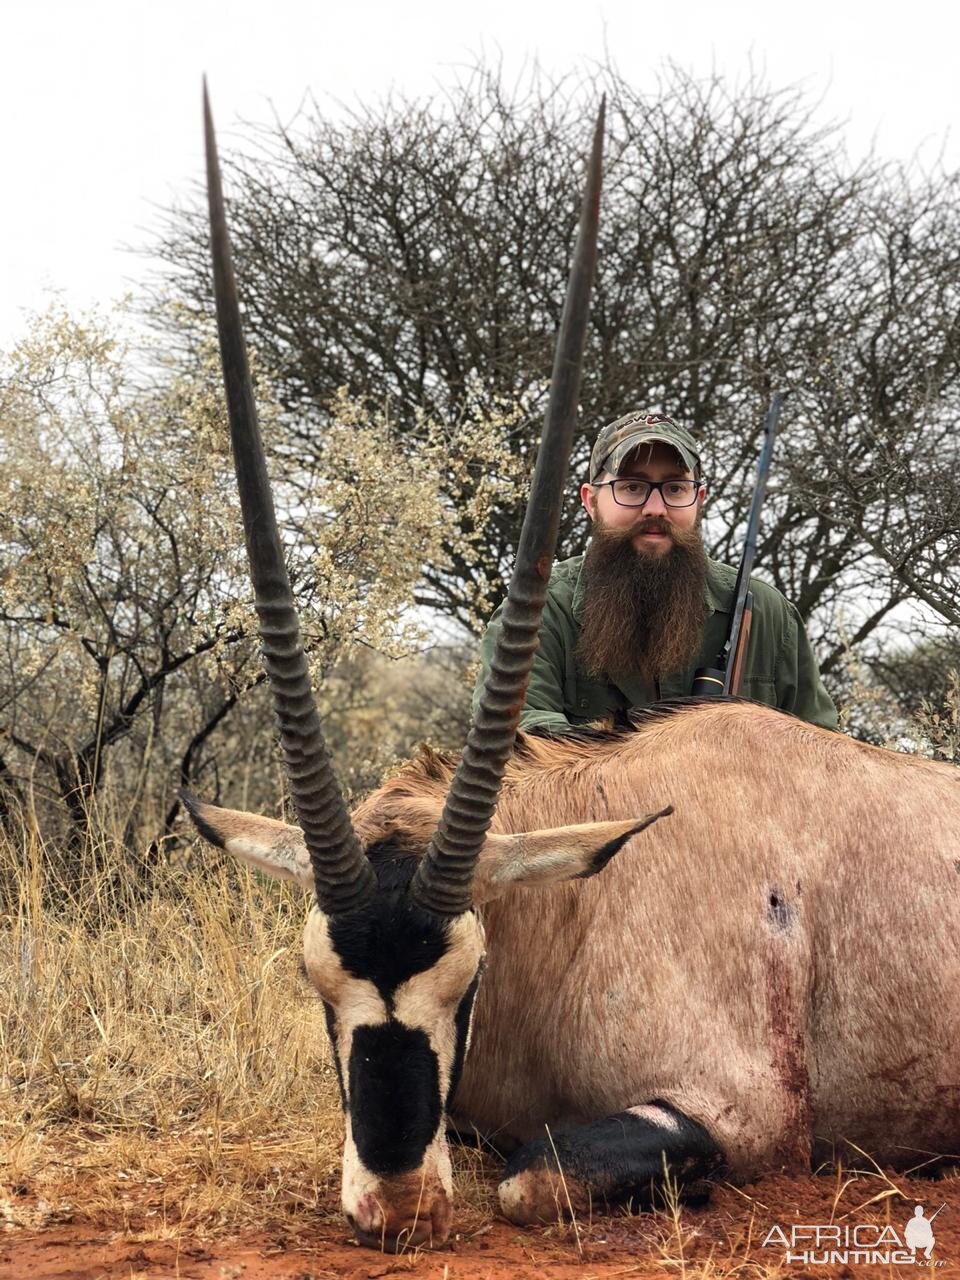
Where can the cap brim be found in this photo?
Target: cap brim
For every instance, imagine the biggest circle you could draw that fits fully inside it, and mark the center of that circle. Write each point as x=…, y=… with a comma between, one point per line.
x=616, y=458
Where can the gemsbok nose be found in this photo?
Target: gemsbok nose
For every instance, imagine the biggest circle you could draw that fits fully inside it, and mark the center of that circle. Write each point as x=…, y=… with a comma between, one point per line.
x=403, y=1216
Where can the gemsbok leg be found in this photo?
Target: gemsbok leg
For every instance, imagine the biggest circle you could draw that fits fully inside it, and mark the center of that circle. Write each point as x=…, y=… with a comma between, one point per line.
x=619, y=1159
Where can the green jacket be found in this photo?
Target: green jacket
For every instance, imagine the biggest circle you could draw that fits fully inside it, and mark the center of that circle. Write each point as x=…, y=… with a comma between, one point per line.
x=780, y=668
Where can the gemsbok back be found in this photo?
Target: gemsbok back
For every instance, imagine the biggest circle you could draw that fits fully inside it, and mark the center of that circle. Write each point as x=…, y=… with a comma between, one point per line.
x=773, y=969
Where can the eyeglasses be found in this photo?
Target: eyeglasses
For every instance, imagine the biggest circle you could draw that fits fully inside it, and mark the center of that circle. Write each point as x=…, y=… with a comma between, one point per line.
x=634, y=493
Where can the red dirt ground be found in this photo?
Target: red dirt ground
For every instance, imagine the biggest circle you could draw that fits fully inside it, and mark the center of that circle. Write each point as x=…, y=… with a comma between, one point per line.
x=723, y=1239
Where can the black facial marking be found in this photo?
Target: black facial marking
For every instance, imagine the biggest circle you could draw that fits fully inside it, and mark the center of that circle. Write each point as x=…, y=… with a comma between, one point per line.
x=390, y=939
x=620, y=1158
x=390, y=1083
x=782, y=912
x=394, y=1096
x=461, y=1027
x=331, y=1020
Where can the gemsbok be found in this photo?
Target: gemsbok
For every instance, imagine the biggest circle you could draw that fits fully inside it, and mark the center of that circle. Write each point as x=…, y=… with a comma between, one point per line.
x=772, y=969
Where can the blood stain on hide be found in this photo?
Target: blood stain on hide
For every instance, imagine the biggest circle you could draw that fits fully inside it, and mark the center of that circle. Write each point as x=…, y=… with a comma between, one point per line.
x=788, y=1058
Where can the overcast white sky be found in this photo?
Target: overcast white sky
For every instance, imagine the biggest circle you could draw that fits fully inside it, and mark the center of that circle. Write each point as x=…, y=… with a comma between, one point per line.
x=101, y=100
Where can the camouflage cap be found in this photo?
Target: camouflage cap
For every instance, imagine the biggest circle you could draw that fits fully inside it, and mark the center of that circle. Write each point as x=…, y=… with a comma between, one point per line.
x=618, y=440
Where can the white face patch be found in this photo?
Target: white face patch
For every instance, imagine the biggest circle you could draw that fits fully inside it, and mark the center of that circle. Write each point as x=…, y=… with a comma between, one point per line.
x=656, y=1115
x=429, y=1000
x=426, y=1003
x=357, y=1001
x=359, y=1188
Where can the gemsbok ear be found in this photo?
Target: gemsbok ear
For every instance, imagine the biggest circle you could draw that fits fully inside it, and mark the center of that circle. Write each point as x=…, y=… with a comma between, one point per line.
x=546, y=857
x=271, y=846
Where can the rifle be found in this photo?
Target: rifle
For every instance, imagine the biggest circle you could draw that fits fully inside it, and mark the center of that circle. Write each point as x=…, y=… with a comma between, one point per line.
x=726, y=676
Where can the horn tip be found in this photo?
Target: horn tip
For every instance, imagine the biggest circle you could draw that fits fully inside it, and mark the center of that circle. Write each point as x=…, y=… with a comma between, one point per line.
x=207, y=114
x=601, y=114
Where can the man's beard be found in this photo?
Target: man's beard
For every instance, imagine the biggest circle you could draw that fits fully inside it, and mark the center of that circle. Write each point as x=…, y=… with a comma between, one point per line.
x=643, y=611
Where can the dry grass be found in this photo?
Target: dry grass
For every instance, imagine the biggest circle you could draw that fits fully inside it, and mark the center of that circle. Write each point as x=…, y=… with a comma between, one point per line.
x=160, y=1056
x=164, y=1071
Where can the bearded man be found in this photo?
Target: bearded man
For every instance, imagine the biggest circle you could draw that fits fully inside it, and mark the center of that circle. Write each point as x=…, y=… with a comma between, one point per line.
x=629, y=623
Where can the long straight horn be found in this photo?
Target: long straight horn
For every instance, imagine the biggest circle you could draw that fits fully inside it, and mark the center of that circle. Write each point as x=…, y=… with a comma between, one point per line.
x=343, y=875
x=443, y=880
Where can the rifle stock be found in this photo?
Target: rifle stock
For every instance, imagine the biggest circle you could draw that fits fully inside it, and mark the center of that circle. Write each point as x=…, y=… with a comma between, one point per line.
x=739, y=655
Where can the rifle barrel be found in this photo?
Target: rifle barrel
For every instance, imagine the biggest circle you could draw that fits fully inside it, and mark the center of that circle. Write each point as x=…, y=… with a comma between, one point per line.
x=742, y=587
